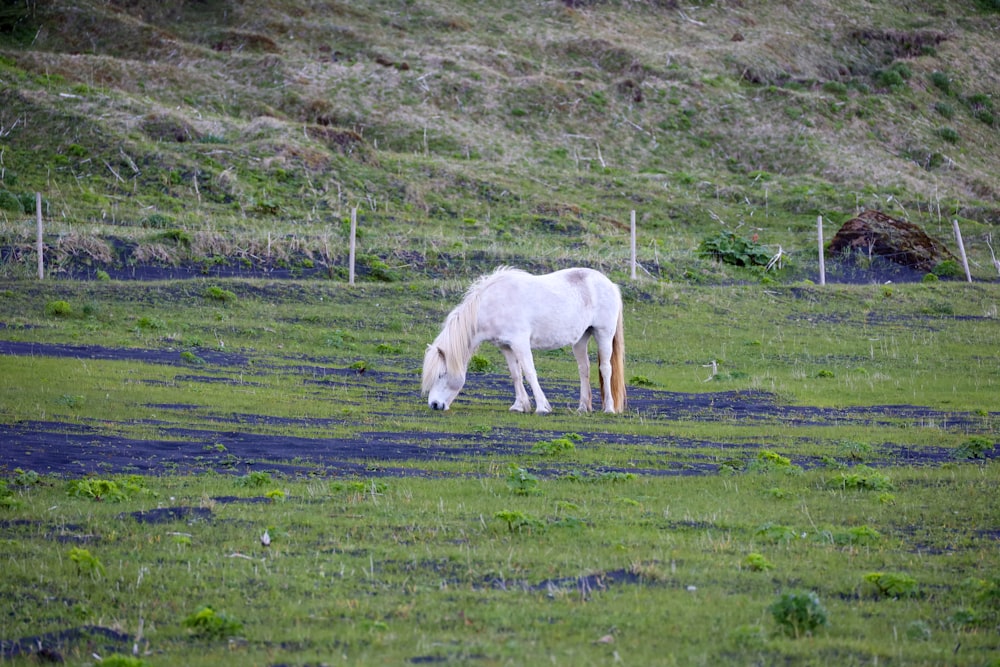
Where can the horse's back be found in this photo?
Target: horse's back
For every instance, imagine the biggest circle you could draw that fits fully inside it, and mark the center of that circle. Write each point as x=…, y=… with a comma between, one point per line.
x=554, y=309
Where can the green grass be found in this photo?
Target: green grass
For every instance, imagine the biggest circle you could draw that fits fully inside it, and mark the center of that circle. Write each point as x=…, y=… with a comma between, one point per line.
x=399, y=569
x=253, y=147
x=176, y=134
x=472, y=563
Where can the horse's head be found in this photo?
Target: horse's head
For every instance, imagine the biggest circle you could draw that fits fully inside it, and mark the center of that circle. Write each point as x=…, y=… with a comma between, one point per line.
x=440, y=384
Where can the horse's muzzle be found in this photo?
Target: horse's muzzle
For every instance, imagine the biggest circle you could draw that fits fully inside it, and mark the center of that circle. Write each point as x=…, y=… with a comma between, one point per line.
x=438, y=405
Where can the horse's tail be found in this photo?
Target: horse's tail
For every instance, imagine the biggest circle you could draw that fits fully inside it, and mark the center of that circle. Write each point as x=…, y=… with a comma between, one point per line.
x=618, y=363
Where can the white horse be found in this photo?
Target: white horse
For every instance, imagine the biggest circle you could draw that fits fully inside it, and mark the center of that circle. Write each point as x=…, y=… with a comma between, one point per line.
x=519, y=312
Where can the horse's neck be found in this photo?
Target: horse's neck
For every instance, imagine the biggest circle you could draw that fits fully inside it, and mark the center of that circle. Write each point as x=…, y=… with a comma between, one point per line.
x=461, y=334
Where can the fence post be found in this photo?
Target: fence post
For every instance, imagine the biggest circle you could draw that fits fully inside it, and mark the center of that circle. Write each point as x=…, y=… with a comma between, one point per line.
x=632, y=232
x=40, y=245
x=822, y=258
x=961, y=250
x=350, y=257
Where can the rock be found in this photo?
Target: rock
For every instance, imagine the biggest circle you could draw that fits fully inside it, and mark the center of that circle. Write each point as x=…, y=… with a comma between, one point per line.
x=876, y=234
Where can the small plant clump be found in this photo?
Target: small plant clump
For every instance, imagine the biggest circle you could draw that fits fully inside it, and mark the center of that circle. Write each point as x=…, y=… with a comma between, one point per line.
x=556, y=446
x=729, y=248
x=220, y=295
x=106, y=489
x=799, y=613
x=206, y=623
x=892, y=584
x=519, y=521
x=86, y=562
x=973, y=448
x=254, y=480
x=863, y=478
x=756, y=562
x=522, y=482
x=480, y=364
x=58, y=308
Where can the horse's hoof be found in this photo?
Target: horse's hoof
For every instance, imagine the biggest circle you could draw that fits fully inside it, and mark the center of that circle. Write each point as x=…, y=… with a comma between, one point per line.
x=516, y=408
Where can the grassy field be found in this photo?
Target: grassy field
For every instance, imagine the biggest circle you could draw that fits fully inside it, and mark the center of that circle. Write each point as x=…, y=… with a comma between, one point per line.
x=806, y=474
x=245, y=133
x=842, y=455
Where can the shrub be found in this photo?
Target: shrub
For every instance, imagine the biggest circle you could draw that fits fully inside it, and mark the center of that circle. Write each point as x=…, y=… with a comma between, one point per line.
x=522, y=482
x=480, y=364
x=256, y=479
x=775, y=533
x=379, y=270
x=178, y=236
x=553, y=447
x=207, y=624
x=86, y=562
x=973, y=448
x=757, y=563
x=862, y=478
x=729, y=248
x=218, y=294
x=941, y=81
x=519, y=521
x=156, y=220
x=949, y=268
x=799, y=613
x=189, y=357
x=58, y=309
x=892, y=584
x=105, y=489
x=949, y=134
x=890, y=78
x=10, y=202
x=945, y=109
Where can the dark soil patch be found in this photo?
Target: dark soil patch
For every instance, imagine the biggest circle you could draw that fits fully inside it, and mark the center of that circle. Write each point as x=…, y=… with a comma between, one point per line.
x=185, y=441
x=50, y=647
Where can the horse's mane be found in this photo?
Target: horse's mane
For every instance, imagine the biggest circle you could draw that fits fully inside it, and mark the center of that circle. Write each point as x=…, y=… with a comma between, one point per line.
x=455, y=339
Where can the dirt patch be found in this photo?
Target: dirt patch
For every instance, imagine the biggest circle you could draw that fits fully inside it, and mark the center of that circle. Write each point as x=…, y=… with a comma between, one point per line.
x=186, y=440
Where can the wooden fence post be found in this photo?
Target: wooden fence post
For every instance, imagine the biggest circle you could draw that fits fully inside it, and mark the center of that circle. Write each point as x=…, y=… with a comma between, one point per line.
x=822, y=258
x=961, y=250
x=354, y=234
x=39, y=243
x=632, y=228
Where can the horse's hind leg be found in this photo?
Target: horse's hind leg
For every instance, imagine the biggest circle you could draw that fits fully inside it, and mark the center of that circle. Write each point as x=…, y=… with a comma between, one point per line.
x=604, y=365
x=583, y=364
x=521, y=401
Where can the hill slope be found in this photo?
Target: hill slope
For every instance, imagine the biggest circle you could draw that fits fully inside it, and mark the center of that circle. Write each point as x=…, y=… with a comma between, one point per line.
x=524, y=131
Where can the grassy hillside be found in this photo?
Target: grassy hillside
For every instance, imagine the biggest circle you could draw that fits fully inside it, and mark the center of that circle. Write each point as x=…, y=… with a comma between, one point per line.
x=471, y=133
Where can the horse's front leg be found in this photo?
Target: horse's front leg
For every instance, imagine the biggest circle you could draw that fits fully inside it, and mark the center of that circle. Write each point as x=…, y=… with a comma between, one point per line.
x=527, y=363
x=521, y=401
x=583, y=364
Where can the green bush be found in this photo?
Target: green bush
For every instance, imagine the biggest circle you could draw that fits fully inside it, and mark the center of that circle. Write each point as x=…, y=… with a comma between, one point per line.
x=10, y=202
x=480, y=364
x=949, y=134
x=949, y=268
x=892, y=584
x=729, y=248
x=58, y=309
x=973, y=448
x=218, y=294
x=945, y=109
x=206, y=623
x=942, y=82
x=799, y=613
x=178, y=236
